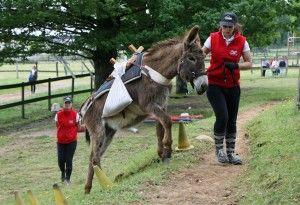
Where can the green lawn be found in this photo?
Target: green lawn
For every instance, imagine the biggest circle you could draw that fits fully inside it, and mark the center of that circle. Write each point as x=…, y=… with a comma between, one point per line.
x=273, y=175
x=30, y=163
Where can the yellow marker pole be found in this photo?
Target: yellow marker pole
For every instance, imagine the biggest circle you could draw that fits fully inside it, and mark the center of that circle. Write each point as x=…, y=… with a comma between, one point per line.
x=59, y=197
x=102, y=178
x=183, y=142
x=32, y=198
x=19, y=200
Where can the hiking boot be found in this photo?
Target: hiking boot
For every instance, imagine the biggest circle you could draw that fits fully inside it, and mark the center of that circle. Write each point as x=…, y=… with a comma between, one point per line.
x=63, y=178
x=221, y=156
x=234, y=159
x=67, y=182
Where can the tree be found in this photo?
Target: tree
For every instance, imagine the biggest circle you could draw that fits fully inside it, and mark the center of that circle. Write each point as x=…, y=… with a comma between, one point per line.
x=97, y=29
x=91, y=29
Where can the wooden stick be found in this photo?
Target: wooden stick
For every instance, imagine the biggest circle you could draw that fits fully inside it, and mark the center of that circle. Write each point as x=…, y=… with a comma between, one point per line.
x=140, y=49
x=112, y=61
x=132, y=48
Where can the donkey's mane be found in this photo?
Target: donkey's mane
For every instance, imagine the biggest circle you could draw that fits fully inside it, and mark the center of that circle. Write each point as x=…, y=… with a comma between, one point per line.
x=163, y=44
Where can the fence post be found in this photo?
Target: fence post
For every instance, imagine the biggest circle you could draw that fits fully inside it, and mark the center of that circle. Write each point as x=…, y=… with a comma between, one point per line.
x=73, y=80
x=23, y=98
x=66, y=73
x=56, y=65
x=17, y=69
x=298, y=94
x=91, y=84
x=49, y=94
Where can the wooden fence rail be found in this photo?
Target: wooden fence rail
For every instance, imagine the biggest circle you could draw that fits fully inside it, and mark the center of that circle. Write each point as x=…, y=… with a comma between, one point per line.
x=49, y=96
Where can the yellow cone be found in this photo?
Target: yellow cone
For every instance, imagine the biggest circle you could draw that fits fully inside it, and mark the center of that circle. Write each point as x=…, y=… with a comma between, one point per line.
x=19, y=200
x=183, y=142
x=59, y=197
x=32, y=198
x=102, y=178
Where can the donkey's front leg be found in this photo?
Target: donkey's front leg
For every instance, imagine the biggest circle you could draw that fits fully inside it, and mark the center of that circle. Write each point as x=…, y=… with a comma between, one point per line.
x=160, y=135
x=165, y=120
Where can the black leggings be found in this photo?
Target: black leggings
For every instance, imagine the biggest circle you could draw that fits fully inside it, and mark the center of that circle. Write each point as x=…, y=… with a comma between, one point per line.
x=225, y=103
x=65, y=153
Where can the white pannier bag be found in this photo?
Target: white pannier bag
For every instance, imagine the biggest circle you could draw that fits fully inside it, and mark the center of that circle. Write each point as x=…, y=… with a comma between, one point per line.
x=118, y=97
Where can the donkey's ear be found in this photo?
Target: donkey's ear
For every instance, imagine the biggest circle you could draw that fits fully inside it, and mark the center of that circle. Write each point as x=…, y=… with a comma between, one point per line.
x=192, y=37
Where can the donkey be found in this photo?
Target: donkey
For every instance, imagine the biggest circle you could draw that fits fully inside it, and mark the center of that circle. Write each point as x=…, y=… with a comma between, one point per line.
x=166, y=59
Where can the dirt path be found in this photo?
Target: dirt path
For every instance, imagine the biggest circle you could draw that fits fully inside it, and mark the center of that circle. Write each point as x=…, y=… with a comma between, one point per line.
x=208, y=182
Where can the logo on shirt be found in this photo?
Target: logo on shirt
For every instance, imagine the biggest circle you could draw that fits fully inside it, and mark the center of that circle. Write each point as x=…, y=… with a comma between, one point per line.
x=233, y=53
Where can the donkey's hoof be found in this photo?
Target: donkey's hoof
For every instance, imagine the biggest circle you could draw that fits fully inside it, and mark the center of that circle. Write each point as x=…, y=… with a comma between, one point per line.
x=166, y=161
x=87, y=190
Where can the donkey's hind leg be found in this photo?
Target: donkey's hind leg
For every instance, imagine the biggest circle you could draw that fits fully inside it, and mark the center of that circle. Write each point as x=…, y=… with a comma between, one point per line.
x=89, y=180
x=109, y=133
x=96, y=154
x=97, y=135
x=166, y=123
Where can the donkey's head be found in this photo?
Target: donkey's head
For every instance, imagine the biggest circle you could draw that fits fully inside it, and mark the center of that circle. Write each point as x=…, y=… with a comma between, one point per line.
x=191, y=67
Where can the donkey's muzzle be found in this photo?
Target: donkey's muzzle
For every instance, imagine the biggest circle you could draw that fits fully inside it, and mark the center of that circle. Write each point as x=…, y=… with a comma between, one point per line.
x=201, y=84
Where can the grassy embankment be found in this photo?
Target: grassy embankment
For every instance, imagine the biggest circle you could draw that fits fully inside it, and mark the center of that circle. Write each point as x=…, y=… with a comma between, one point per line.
x=273, y=175
x=30, y=163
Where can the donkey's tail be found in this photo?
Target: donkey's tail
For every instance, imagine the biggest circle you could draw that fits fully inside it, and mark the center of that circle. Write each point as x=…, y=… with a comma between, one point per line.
x=87, y=137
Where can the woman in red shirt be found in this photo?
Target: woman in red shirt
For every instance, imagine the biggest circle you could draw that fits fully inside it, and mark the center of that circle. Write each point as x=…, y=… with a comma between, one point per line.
x=67, y=122
x=226, y=46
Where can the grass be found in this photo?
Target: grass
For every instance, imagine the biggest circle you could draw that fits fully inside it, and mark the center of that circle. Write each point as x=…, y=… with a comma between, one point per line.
x=37, y=167
x=273, y=176
x=31, y=162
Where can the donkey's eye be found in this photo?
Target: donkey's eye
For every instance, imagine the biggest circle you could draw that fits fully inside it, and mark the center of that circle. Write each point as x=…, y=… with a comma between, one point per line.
x=191, y=58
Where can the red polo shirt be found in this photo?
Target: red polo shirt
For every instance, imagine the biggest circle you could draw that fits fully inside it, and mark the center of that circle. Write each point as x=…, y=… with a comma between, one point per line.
x=66, y=122
x=220, y=52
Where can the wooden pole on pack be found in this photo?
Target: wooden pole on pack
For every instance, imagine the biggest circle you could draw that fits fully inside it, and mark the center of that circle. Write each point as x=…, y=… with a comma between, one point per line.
x=132, y=48
x=112, y=61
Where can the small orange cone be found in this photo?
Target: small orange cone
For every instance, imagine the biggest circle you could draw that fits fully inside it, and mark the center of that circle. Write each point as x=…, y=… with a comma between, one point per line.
x=183, y=142
x=59, y=197
x=32, y=198
x=19, y=200
x=102, y=178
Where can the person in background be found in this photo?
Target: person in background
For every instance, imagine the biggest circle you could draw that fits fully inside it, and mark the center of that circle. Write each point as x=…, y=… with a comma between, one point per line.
x=265, y=65
x=67, y=123
x=274, y=66
x=226, y=46
x=33, y=75
x=282, y=65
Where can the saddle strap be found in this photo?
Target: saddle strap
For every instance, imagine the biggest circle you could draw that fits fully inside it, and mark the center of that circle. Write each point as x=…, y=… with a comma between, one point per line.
x=155, y=76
